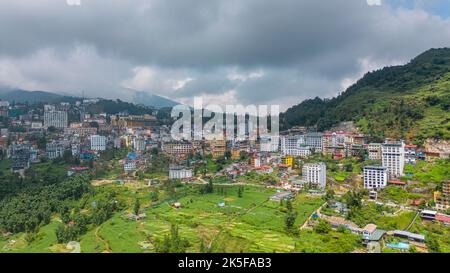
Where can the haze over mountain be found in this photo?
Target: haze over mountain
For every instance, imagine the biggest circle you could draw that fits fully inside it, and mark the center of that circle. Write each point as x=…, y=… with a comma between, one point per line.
x=17, y=95
x=228, y=51
x=410, y=101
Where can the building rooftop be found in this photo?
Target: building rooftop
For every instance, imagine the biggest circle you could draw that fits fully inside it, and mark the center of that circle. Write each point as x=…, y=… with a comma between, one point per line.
x=375, y=167
x=443, y=218
x=431, y=212
x=408, y=234
x=377, y=235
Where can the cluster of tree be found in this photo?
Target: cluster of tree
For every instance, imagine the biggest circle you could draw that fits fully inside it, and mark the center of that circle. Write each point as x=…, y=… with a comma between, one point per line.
x=291, y=216
x=76, y=223
x=159, y=163
x=208, y=188
x=35, y=177
x=117, y=106
x=323, y=227
x=172, y=243
x=34, y=206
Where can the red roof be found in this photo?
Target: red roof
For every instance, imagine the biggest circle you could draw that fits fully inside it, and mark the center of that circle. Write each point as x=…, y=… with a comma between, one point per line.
x=396, y=182
x=410, y=146
x=443, y=218
x=263, y=168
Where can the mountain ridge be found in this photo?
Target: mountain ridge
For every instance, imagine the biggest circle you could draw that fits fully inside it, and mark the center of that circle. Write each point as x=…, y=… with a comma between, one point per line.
x=26, y=96
x=408, y=101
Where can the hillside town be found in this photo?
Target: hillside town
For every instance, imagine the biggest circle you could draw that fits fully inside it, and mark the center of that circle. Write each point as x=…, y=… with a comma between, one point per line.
x=346, y=169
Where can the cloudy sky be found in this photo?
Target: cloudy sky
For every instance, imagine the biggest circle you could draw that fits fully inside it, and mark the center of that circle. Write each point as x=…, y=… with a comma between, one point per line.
x=228, y=51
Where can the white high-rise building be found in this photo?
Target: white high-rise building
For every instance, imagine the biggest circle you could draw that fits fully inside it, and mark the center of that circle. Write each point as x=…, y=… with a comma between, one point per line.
x=393, y=158
x=180, y=173
x=314, y=141
x=139, y=144
x=315, y=174
x=98, y=143
x=375, y=177
x=57, y=119
x=293, y=145
x=269, y=143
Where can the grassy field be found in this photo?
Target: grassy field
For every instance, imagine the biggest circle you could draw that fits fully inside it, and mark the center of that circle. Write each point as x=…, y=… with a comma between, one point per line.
x=250, y=223
x=423, y=171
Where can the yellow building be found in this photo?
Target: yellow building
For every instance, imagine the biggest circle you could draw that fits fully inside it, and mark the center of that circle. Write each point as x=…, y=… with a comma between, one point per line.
x=217, y=148
x=235, y=154
x=442, y=199
x=288, y=160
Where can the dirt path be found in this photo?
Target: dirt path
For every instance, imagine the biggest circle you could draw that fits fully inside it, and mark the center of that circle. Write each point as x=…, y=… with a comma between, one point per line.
x=105, y=242
x=412, y=222
x=317, y=211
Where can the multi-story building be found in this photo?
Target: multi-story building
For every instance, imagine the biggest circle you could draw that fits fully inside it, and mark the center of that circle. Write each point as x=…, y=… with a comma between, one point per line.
x=177, y=148
x=269, y=143
x=255, y=162
x=315, y=174
x=76, y=149
x=393, y=157
x=129, y=166
x=20, y=155
x=314, y=141
x=81, y=131
x=134, y=121
x=374, y=151
x=36, y=125
x=98, y=143
x=410, y=154
x=442, y=199
x=217, y=148
x=288, y=160
x=290, y=145
x=375, y=177
x=53, y=118
x=179, y=172
x=139, y=144
x=54, y=150
x=117, y=143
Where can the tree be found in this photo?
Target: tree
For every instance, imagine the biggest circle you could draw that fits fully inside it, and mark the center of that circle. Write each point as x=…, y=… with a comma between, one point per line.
x=329, y=195
x=172, y=243
x=240, y=191
x=137, y=205
x=353, y=199
x=348, y=167
x=290, y=217
x=433, y=244
x=154, y=196
x=243, y=155
x=323, y=227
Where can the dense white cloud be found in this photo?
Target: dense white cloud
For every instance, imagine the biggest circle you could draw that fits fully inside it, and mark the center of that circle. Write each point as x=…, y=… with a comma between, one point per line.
x=231, y=50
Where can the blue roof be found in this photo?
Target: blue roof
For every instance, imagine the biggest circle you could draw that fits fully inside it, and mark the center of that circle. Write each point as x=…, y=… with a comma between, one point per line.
x=132, y=155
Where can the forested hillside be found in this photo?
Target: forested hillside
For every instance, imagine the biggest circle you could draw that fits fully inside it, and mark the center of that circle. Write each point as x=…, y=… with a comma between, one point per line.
x=410, y=101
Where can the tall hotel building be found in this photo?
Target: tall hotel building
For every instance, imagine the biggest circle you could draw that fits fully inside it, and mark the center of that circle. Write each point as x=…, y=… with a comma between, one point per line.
x=375, y=177
x=315, y=174
x=57, y=119
x=393, y=158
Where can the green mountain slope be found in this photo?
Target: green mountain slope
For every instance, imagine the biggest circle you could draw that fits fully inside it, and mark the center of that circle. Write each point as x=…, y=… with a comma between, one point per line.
x=410, y=101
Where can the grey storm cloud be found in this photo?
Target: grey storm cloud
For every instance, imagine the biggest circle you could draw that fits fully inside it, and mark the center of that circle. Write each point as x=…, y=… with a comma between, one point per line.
x=245, y=51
